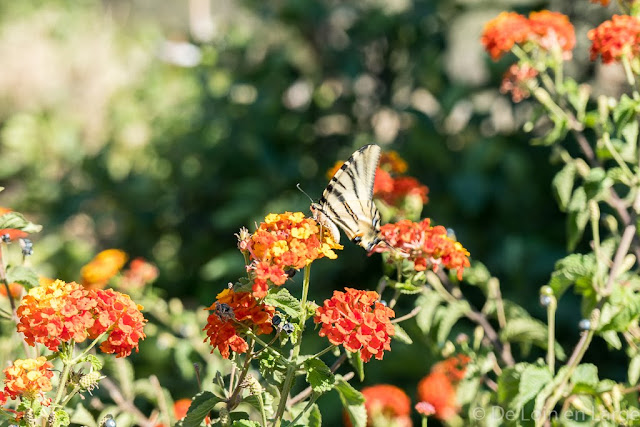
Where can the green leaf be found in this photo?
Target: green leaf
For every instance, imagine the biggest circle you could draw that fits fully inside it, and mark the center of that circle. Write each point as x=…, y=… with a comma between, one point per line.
x=477, y=275
x=569, y=270
x=83, y=417
x=61, y=418
x=319, y=376
x=401, y=335
x=25, y=276
x=612, y=338
x=429, y=301
x=407, y=288
x=634, y=370
x=577, y=218
x=625, y=306
x=315, y=417
x=355, y=360
x=96, y=364
x=352, y=401
x=526, y=330
x=448, y=316
x=563, y=185
x=201, y=405
x=16, y=221
x=586, y=374
x=597, y=184
x=280, y=298
x=245, y=423
x=521, y=383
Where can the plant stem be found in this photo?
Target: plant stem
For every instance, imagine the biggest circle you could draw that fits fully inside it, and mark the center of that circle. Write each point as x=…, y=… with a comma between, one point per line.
x=313, y=399
x=551, y=335
x=323, y=352
x=62, y=385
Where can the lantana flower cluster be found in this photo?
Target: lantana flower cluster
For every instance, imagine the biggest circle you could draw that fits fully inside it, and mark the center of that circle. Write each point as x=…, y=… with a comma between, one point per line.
x=387, y=403
x=233, y=313
x=545, y=29
x=105, y=265
x=27, y=378
x=439, y=388
x=391, y=186
x=356, y=320
x=616, y=38
x=426, y=246
x=139, y=274
x=282, y=244
x=58, y=312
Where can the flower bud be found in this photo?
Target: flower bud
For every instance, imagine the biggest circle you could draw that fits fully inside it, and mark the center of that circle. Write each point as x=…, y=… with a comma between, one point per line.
x=90, y=381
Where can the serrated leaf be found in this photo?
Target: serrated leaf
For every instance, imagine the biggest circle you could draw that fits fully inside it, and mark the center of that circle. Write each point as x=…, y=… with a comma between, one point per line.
x=355, y=360
x=315, y=417
x=352, y=401
x=527, y=330
x=563, y=185
x=634, y=370
x=16, y=220
x=401, y=335
x=448, y=316
x=280, y=298
x=201, y=405
x=96, y=364
x=408, y=288
x=569, y=270
x=586, y=374
x=319, y=376
x=429, y=301
x=625, y=304
x=522, y=383
x=612, y=338
x=596, y=184
x=22, y=275
x=83, y=417
x=61, y=418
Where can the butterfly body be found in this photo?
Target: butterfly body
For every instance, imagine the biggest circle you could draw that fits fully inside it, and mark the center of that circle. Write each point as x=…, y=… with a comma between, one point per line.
x=347, y=202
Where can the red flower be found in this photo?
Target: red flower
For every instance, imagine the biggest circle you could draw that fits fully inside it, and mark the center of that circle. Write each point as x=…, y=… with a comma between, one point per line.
x=56, y=312
x=358, y=321
x=552, y=28
x=436, y=389
x=605, y=3
x=615, y=38
x=503, y=32
x=27, y=378
x=139, y=273
x=118, y=315
x=515, y=81
x=12, y=232
x=15, y=289
x=392, y=162
x=105, y=265
x=383, y=182
x=389, y=403
x=426, y=246
x=284, y=242
x=233, y=312
x=454, y=367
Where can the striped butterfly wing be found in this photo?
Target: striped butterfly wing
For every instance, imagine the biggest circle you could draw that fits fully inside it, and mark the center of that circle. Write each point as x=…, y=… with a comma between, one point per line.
x=348, y=199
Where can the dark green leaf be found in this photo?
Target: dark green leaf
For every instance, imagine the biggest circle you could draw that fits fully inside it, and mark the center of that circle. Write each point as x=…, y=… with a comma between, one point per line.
x=280, y=298
x=22, y=275
x=352, y=401
x=201, y=405
x=315, y=417
x=16, y=221
x=563, y=185
x=401, y=335
x=319, y=375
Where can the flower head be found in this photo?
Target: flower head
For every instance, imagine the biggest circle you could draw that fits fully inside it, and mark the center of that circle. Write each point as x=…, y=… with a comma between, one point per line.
x=121, y=318
x=454, y=367
x=515, y=81
x=503, y=32
x=139, y=273
x=392, y=162
x=387, y=403
x=56, y=312
x=283, y=242
x=383, y=182
x=234, y=312
x=358, y=321
x=102, y=267
x=425, y=409
x=549, y=29
x=616, y=38
x=426, y=246
x=28, y=378
x=437, y=390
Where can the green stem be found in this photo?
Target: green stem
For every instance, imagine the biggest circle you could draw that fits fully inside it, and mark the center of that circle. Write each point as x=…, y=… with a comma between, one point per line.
x=551, y=335
x=616, y=156
x=323, y=352
x=313, y=399
x=67, y=363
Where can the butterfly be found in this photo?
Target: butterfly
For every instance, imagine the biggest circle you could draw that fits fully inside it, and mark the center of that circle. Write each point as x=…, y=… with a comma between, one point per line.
x=348, y=200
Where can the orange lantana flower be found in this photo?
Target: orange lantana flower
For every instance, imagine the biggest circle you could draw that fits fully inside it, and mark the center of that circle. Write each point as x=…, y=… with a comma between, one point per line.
x=387, y=403
x=118, y=315
x=552, y=28
x=139, y=273
x=358, y=321
x=283, y=243
x=614, y=38
x=515, y=81
x=102, y=267
x=426, y=246
x=400, y=188
x=233, y=312
x=503, y=32
x=392, y=162
x=28, y=378
x=438, y=389
x=56, y=312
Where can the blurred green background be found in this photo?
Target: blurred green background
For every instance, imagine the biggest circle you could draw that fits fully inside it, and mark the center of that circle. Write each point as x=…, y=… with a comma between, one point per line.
x=161, y=128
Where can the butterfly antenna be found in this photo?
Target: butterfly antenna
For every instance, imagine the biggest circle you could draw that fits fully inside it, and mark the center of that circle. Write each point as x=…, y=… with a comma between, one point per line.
x=304, y=192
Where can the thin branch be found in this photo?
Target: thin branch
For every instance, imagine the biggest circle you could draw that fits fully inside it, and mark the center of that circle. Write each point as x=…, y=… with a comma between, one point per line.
x=408, y=316
x=116, y=396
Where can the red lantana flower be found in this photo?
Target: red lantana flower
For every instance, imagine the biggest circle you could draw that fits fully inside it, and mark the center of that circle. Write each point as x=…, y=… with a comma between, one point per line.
x=383, y=182
x=515, y=81
x=56, y=312
x=552, y=28
x=614, y=38
x=392, y=162
x=454, y=367
x=503, y=32
x=118, y=315
x=233, y=312
x=28, y=378
x=139, y=273
x=404, y=186
x=358, y=321
x=426, y=246
x=389, y=403
x=605, y=3
x=437, y=390
x=105, y=265
x=284, y=242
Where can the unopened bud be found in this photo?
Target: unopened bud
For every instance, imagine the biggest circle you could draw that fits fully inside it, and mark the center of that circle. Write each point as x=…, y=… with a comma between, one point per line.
x=90, y=381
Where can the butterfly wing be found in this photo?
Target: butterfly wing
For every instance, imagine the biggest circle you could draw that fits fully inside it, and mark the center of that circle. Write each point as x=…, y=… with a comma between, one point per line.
x=348, y=199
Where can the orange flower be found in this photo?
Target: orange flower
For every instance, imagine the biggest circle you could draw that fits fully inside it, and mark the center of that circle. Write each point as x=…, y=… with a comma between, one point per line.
x=118, y=315
x=389, y=403
x=358, y=321
x=13, y=233
x=15, y=289
x=426, y=246
x=616, y=38
x=454, y=367
x=233, y=312
x=392, y=162
x=139, y=273
x=515, y=81
x=56, y=312
x=284, y=242
x=102, y=267
x=552, y=28
x=383, y=182
x=503, y=32
x=28, y=378
x=333, y=169
x=437, y=390
x=605, y=3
